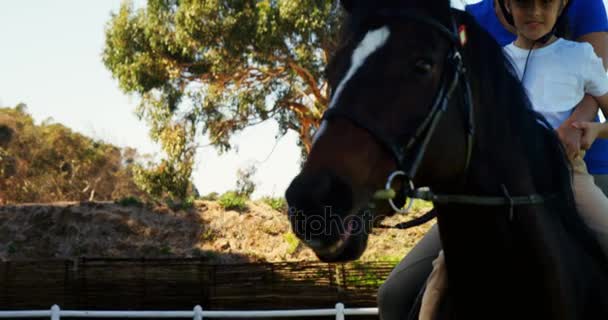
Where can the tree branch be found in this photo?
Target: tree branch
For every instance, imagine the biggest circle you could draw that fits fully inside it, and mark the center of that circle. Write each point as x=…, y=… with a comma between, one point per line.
x=309, y=79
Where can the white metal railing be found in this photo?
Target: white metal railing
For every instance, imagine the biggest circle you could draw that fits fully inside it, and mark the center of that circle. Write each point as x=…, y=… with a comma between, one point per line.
x=55, y=313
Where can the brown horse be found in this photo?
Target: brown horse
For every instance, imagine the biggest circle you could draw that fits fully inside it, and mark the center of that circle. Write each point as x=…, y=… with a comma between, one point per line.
x=421, y=94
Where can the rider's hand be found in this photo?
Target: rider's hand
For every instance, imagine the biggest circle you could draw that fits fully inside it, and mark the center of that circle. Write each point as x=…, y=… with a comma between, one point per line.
x=590, y=130
x=571, y=139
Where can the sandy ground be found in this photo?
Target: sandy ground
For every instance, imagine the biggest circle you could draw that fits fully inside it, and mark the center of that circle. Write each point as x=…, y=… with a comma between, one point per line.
x=105, y=229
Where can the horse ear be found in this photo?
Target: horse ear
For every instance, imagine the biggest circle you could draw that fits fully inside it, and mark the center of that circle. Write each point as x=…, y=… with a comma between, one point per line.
x=366, y=6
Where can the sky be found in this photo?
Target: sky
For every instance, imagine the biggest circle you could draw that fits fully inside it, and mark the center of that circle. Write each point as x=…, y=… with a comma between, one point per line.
x=50, y=59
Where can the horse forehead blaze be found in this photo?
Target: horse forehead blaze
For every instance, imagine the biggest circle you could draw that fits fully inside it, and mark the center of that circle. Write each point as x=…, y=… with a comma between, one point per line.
x=372, y=42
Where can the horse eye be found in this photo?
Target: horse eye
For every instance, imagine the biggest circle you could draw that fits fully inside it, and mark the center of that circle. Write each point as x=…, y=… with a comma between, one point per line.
x=423, y=66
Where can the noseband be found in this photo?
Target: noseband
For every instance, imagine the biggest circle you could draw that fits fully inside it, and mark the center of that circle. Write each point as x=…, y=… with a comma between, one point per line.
x=418, y=142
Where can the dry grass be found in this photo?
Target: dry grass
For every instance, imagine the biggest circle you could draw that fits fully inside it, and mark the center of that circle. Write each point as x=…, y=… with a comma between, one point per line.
x=103, y=229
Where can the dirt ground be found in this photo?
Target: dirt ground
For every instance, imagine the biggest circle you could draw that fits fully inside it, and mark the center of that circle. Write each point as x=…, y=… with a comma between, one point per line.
x=105, y=229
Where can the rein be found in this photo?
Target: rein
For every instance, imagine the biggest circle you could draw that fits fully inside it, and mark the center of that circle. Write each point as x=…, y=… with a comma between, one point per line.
x=427, y=195
x=406, y=171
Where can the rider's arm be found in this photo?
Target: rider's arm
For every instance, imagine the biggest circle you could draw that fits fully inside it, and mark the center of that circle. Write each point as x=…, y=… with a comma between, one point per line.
x=596, y=83
x=599, y=42
x=586, y=110
x=602, y=101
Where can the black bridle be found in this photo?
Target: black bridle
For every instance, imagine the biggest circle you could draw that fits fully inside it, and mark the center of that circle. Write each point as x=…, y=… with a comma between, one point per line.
x=417, y=144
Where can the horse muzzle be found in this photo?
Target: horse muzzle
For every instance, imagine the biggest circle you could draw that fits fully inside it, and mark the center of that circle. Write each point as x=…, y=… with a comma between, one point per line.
x=320, y=212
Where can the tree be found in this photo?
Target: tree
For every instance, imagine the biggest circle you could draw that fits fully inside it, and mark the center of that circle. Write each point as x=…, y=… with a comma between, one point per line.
x=223, y=65
x=171, y=178
x=49, y=162
x=245, y=185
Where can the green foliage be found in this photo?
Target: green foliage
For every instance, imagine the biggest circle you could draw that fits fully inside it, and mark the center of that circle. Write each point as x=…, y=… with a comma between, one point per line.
x=6, y=135
x=185, y=204
x=395, y=259
x=12, y=249
x=188, y=203
x=208, y=235
x=365, y=276
x=213, y=196
x=49, y=162
x=293, y=242
x=171, y=177
x=166, y=250
x=223, y=65
x=130, y=201
x=232, y=200
x=278, y=203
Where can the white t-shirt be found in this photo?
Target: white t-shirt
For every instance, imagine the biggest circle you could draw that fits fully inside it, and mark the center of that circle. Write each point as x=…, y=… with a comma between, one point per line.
x=558, y=76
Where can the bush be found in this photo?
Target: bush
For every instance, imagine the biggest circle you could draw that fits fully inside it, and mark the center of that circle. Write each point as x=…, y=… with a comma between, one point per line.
x=232, y=200
x=293, y=242
x=213, y=196
x=129, y=201
x=365, y=276
x=278, y=204
x=177, y=205
x=49, y=162
x=244, y=180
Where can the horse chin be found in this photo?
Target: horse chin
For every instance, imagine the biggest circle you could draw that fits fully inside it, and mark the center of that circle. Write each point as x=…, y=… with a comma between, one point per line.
x=346, y=249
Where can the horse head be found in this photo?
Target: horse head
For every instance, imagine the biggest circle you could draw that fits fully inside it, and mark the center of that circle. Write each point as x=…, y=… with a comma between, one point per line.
x=387, y=78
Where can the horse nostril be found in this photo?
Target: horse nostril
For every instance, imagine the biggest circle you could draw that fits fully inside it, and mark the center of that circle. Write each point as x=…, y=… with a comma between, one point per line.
x=315, y=201
x=302, y=192
x=321, y=189
x=315, y=192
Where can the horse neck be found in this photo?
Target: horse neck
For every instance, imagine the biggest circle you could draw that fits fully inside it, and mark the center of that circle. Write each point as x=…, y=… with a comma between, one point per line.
x=495, y=267
x=493, y=257
x=529, y=267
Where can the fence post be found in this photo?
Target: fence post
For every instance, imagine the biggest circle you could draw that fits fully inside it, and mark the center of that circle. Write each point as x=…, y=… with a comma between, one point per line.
x=339, y=311
x=55, y=312
x=198, y=313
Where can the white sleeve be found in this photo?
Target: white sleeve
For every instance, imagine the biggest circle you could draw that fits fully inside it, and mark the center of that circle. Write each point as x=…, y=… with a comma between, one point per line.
x=596, y=79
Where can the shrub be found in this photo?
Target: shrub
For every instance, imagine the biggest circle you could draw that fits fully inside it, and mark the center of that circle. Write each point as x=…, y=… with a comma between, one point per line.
x=244, y=180
x=364, y=276
x=165, y=250
x=213, y=196
x=278, y=204
x=293, y=242
x=177, y=205
x=129, y=201
x=232, y=200
x=49, y=162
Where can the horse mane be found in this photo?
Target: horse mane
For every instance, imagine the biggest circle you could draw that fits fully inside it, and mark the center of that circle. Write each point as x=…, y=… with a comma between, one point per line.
x=511, y=116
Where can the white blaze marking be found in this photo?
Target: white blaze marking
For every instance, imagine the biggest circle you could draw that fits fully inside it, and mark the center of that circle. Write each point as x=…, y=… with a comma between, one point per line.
x=372, y=41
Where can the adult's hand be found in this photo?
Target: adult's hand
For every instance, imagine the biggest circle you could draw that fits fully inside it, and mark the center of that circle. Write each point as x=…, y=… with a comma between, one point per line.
x=586, y=110
x=591, y=131
x=571, y=139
